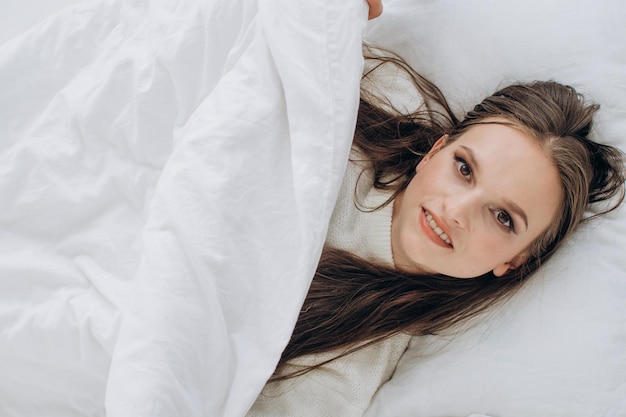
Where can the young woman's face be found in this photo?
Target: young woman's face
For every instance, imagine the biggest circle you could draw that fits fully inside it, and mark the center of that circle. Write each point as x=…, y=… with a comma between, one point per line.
x=476, y=204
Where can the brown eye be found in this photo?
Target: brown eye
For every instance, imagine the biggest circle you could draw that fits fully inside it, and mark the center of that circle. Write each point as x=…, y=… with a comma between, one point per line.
x=504, y=219
x=463, y=168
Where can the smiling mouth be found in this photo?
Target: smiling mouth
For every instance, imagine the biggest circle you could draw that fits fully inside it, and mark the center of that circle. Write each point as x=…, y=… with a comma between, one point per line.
x=438, y=231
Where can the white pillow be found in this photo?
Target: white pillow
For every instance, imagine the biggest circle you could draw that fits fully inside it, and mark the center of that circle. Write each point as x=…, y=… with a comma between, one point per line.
x=559, y=347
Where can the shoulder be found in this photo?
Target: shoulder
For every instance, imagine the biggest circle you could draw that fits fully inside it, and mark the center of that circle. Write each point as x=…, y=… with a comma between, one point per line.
x=343, y=386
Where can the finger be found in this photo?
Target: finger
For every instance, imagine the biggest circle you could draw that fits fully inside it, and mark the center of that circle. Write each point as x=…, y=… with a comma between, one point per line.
x=376, y=8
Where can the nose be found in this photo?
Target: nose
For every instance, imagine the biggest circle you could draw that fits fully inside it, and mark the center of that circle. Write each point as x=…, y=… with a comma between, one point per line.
x=461, y=207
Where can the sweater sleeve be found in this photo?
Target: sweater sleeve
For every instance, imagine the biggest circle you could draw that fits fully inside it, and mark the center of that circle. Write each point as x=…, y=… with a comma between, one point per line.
x=343, y=387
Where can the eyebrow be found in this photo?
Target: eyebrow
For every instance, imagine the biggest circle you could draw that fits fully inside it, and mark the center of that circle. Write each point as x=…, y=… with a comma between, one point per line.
x=512, y=205
x=472, y=157
x=517, y=210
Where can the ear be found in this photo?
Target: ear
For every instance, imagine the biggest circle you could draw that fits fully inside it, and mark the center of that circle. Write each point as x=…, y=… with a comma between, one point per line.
x=436, y=147
x=514, y=263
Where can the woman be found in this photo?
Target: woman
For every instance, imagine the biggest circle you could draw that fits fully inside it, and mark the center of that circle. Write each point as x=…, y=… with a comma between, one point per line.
x=436, y=221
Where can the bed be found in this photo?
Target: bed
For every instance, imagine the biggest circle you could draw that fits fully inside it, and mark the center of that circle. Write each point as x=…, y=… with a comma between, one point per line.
x=168, y=169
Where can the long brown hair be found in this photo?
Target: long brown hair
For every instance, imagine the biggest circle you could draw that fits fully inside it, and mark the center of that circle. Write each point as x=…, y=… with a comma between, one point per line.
x=353, y=302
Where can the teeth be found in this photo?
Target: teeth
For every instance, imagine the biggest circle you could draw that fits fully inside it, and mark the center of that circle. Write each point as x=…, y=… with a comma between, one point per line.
x=436, y=228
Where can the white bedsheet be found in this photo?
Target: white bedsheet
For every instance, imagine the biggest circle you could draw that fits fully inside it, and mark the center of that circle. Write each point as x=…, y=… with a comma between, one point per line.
x=167, y=172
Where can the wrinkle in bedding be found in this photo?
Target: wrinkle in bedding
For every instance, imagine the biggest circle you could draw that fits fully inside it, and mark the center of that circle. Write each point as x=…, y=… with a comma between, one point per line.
x=168, y=170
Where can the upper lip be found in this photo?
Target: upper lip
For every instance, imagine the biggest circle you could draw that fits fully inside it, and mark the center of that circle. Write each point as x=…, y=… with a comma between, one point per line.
x=442, y=225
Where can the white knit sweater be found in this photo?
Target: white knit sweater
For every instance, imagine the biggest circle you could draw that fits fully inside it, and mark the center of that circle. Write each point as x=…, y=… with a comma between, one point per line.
x=345, y=386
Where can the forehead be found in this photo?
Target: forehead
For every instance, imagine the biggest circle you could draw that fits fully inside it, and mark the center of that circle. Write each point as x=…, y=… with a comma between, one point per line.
x=503, y=138
x=513, y=165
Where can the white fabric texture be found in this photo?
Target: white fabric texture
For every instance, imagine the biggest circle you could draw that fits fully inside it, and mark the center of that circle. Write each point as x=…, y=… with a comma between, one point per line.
x=361, y=222
x=558, y=349
x=168, y=170
x=168, y=173
x=344, y=386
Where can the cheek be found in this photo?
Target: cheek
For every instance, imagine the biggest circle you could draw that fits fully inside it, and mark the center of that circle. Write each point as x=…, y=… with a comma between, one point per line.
x=430, y=175
x=491, y=249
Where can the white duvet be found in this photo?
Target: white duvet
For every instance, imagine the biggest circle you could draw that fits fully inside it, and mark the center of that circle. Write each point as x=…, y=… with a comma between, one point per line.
x=167, y=172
